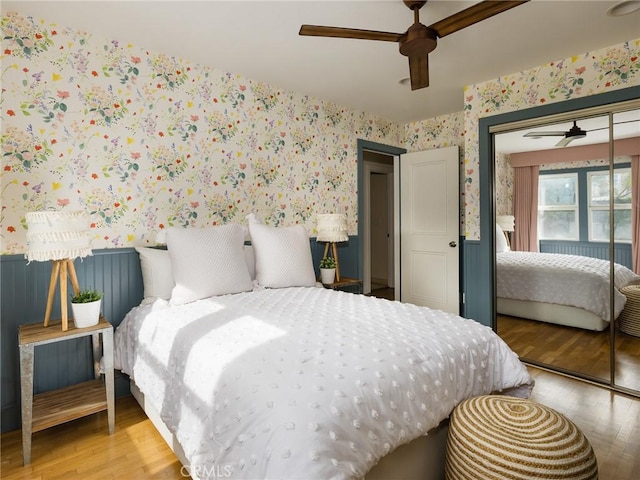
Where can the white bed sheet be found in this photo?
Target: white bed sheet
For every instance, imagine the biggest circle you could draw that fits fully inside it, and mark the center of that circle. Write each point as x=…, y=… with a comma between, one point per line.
x=561, y=279
x=306, y=382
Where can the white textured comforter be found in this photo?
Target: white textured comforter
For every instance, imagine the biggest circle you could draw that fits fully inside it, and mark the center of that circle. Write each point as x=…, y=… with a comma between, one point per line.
x=306, y=383
x=562, y=279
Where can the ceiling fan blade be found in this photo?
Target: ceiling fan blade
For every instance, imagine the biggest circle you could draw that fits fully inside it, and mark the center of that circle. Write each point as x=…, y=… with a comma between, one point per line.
x=614, y=124
x=339, y=32
x=544, y=134
x=419, y=71
x=565, y=141
x=474, y=14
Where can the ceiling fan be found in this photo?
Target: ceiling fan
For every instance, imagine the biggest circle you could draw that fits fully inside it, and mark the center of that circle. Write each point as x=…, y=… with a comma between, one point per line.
x=574, y=133
x=418, y=40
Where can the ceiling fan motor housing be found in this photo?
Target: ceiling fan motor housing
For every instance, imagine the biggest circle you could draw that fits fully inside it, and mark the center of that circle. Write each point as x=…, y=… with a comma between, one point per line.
x=419, y=40
x=576, y=132
x=414, y=4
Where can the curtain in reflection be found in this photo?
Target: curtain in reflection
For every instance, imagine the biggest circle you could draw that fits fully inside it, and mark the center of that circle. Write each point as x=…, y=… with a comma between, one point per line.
x=525, y=208
x=635, y=212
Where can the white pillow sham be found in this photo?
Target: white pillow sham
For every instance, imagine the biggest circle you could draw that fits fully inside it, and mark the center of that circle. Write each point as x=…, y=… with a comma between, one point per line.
x=207, y=262
x=157, y=275
x=283, y=255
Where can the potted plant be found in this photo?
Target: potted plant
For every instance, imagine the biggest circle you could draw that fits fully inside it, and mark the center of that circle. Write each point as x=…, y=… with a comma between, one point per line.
x=327, y=270
x=86, y=308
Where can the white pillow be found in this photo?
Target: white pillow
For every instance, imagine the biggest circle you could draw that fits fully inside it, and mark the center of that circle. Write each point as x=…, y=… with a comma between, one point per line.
x=283, y=256
x=157, y=276
x=207, y=262
x=501, y=241
x=250, y=258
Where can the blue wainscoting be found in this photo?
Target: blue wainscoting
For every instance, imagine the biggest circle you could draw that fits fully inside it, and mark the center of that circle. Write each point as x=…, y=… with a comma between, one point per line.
x=621, y=253
x=348, y=256
x=477, y=288
x=116, y=272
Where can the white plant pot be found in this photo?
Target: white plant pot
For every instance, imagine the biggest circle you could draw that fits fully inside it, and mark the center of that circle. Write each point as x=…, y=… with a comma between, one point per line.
x=86, y=314
x=327, y=275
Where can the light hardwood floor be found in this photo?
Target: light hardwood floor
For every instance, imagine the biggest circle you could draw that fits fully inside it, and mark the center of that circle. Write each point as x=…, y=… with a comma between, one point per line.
x=83, y=449
x=574, y=349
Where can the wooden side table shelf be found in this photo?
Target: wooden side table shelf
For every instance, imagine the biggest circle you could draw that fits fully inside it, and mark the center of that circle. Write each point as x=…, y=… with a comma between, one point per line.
x=65, y=404
x=345, y=284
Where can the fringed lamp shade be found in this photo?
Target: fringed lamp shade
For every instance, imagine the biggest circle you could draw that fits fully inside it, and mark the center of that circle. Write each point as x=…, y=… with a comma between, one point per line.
x=58, y=236
x=55, y=235
x=506, y=222
x=332, y=228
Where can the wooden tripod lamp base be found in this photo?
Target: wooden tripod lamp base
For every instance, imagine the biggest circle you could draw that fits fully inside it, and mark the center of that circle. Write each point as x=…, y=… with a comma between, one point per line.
x=66, y=271
x=334, y=253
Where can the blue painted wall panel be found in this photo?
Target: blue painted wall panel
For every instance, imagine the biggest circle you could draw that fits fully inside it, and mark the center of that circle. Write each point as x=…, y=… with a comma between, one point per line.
x=622, y=252
x=478, y=292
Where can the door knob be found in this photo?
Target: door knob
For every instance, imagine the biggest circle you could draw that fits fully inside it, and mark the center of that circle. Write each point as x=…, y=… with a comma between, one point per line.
x=452, y=244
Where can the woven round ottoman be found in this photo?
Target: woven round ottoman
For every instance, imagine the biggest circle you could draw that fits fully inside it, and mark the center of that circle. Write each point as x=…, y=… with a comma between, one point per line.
x=629, y=318
x=501, y=437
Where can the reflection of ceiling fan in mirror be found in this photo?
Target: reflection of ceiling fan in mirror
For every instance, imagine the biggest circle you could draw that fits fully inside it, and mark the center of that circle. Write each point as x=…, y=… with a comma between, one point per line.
x=574, y=133
x=418, y=40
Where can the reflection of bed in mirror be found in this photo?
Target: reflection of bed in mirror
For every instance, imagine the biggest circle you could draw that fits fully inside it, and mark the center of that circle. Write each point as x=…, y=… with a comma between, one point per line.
x=569, y=290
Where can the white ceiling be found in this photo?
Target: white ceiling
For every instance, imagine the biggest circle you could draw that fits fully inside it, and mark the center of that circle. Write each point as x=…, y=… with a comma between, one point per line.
x=259, y=39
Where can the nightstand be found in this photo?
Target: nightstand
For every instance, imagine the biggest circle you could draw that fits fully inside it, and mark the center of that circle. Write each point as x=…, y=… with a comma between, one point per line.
x=65, y=404
x=346, y=284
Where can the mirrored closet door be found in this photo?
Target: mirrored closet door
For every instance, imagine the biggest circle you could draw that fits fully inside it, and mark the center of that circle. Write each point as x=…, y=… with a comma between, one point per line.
x=624, y=232
x=564, y=242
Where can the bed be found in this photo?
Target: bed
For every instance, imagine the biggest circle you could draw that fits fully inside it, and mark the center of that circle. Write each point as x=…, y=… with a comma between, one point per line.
x=286, y=379
x=569, y=290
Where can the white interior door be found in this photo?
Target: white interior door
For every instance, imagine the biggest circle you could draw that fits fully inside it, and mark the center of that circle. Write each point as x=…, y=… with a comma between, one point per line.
x=429, y=228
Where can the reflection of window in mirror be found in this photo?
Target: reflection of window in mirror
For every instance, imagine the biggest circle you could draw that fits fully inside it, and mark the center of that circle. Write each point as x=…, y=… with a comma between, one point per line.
x=599, y=190
x=558, y=206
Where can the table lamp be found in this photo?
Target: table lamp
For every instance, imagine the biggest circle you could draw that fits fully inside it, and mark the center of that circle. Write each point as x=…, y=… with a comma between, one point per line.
x=332, y=228
x=507, y=224
x=58, y=236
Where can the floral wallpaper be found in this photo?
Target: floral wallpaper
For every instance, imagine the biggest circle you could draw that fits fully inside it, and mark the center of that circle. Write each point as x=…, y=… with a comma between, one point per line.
x=591, y=73
x=439, y=132
x=585, y=163
x=144, y=141
x=503, y=185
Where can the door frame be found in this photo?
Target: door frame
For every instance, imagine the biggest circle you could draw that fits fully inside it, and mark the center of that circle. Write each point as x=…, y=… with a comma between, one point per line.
x=395, y=152
x=389, y=172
